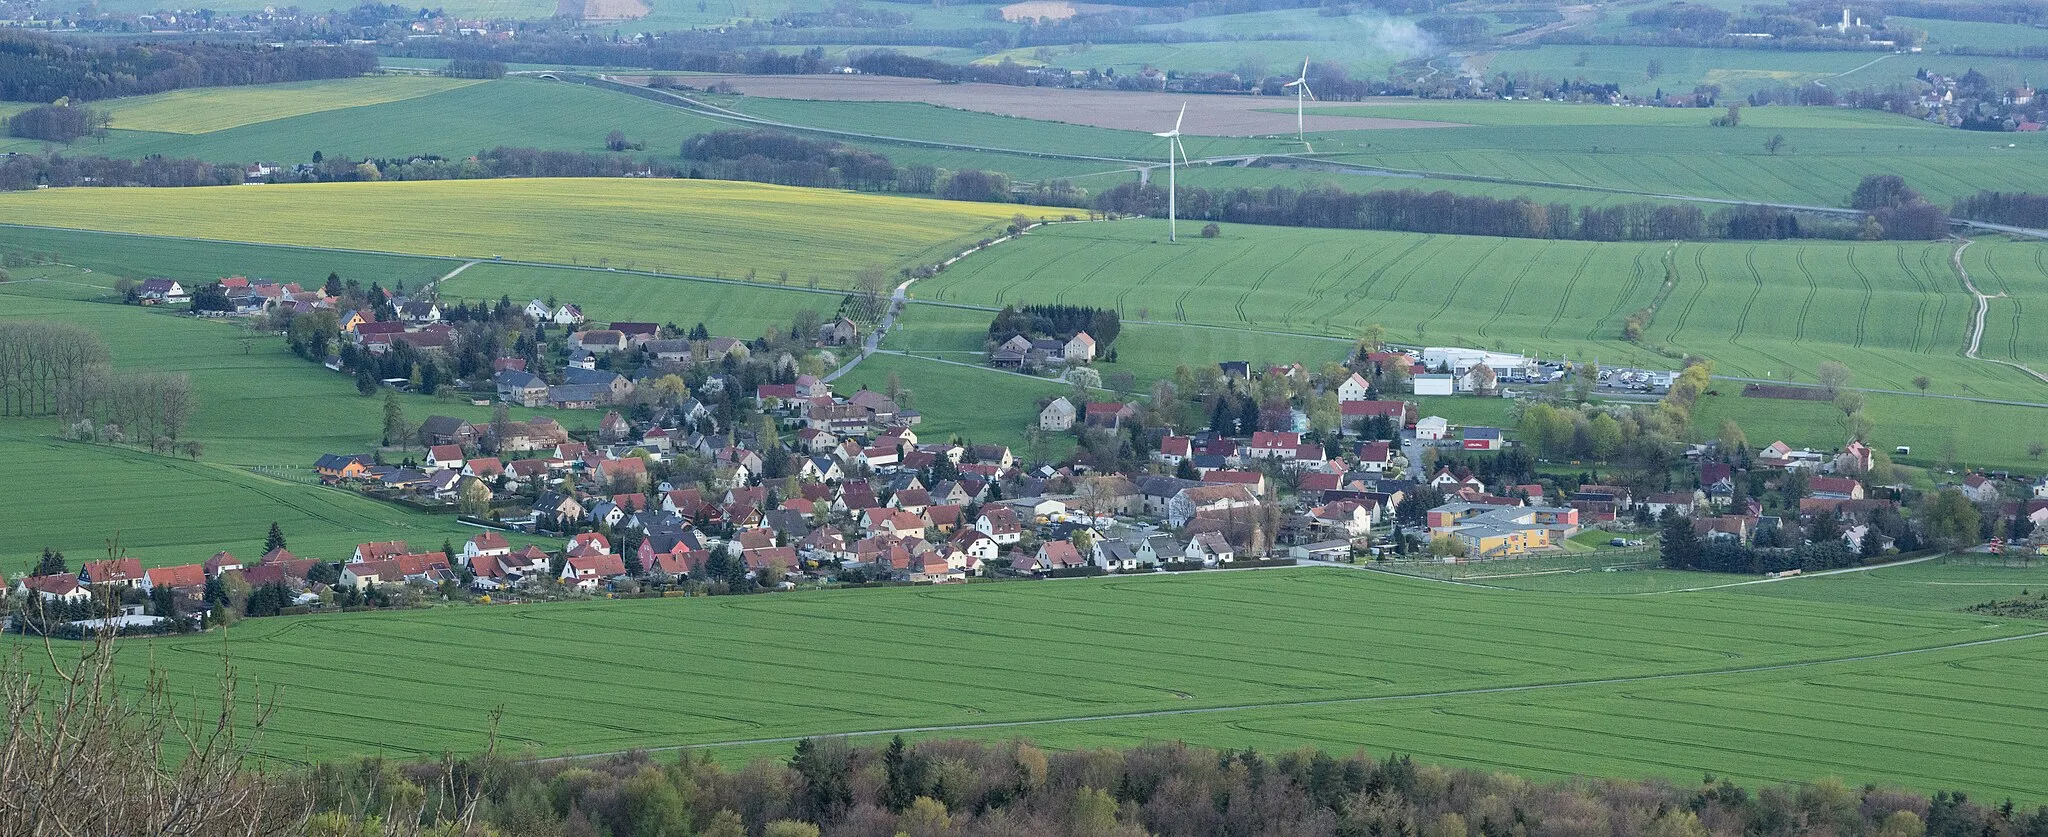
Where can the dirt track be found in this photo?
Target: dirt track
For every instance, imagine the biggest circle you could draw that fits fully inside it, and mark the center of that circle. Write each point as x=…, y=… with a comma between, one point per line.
x=1214, y=116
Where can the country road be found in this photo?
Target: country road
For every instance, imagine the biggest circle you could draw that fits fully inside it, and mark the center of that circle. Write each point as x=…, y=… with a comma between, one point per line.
x=1983, y=307
x=1304, y=704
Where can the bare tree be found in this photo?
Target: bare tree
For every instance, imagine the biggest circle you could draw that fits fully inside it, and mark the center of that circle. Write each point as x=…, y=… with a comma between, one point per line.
x=87, y=753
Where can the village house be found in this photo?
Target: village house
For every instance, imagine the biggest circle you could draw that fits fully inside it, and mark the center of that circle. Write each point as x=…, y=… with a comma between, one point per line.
x=1110, y=415
x=1210, y=549
x=1057, y=417
x=1189, y=502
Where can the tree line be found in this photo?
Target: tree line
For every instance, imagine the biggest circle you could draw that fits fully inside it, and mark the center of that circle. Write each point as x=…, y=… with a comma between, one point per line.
x=27, y=171
x=957, y=788
x=58, y=123
x=2019, y=209
x=1062, y=321
x=40, y=68
x=64, y=371
x=1413, y=210
x=765, y=156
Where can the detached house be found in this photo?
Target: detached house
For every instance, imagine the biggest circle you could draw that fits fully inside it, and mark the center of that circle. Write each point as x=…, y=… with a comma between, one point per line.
x=1057, y=416
x=588, y=572
x=155, y=291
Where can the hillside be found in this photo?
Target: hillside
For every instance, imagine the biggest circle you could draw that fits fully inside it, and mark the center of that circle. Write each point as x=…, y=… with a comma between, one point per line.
x=686, y=227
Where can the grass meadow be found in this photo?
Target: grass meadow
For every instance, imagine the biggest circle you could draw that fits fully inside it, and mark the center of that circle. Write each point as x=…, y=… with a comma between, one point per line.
x=693, y=227
x=257, y=404
x=727, y=309
x=977, y=404
x=170, y=510
x=204, y=110
x=1059, y=652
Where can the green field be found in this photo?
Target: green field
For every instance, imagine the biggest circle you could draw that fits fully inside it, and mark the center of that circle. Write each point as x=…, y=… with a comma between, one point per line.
x=692, y=227
x=1932, y=427
x=208, y=109
x=1056, y=653
x=1760, y=310
x=468, y=119
x=262, y=414
x=977, y=404
x=728, y=309
x=169, y=510
x=257, y=404
x=1891, y=311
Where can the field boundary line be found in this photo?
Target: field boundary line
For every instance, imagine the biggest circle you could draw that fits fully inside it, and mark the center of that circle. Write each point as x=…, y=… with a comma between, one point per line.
x=1302, y=704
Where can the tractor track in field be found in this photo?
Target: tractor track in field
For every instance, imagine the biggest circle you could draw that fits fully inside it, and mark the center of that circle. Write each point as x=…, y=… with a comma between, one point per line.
x=1621, y=299
x=1812, y=290
x=1742, y=320
x=1003, y=296
x=1061, y=297
x=1940, y=300
x=1452, y=296
x=1400, y=283
x=1366, y=287
x=1863, y=312
x=1180, y=303
x=1563, y=300
x=1141, y=283
x=1317, y=287
x=1341, y=701
x=1684, y=314
x=1263, y=276
x=1514, y=283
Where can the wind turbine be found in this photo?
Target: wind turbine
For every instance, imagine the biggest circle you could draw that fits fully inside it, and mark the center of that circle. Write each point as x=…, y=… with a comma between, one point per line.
x=1300, y=85
x=1172, y=145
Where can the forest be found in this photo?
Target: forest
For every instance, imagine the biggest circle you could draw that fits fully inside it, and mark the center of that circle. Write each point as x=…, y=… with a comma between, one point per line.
x=2020, y=209
x=39, y=68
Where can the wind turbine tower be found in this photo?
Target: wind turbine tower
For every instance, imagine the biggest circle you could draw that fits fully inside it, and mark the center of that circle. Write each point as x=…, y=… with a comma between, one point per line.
x=1300, y=85
x=1173, y=146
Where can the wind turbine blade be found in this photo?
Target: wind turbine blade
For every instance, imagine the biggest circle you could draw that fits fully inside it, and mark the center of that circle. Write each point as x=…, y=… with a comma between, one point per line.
x=1304, y=66
x=1292, y=83
x=1304, y=88
x=1177, y=119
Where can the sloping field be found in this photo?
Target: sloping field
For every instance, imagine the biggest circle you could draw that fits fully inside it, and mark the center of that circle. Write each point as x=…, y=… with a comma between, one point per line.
x=1036, y=652
x=1890, y=310
x=1215, y=116
x=726, y=309
x=169, y=510
x=256, y=404
x=204, y=110
x=691, y=227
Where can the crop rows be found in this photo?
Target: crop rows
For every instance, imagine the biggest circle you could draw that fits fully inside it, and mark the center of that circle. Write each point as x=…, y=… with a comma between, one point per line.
x=690, y=227
x=717, y=670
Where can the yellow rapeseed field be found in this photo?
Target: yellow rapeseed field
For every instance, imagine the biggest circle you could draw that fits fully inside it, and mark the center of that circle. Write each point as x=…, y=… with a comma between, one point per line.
x=203, y=110
x=693, y=227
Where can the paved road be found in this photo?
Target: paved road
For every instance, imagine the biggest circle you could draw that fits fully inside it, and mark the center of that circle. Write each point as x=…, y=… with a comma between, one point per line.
x=1300, y=704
